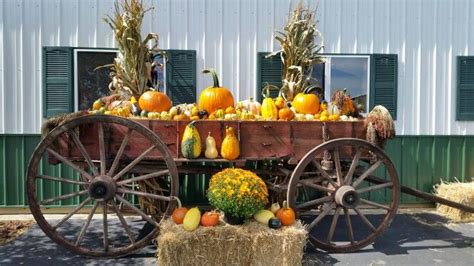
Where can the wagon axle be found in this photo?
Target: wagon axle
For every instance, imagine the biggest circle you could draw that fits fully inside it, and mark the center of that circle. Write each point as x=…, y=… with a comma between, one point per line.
x=347, y=196
x=103, y=188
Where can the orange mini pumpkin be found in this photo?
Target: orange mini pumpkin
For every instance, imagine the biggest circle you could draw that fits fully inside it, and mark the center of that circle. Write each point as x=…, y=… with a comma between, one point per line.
x=210, y=218
x=285, y=114
x=179, y=213
x=215, y=97
x=154, y=101
x=286, y=215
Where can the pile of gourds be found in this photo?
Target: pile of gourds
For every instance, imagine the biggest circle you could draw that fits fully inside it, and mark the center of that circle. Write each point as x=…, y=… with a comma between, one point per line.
x=217, y=103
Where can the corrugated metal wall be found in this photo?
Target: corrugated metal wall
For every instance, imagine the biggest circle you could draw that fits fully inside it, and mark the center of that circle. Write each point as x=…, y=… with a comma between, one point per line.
x=427, y=35
x=421, y=162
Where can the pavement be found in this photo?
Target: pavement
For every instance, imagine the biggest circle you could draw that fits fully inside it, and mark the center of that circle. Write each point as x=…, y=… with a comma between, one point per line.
x=415, y=237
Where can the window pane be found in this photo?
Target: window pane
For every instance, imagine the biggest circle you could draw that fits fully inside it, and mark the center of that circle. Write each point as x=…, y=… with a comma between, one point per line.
x=351, y=73
x=158, y=73
x=318, y=78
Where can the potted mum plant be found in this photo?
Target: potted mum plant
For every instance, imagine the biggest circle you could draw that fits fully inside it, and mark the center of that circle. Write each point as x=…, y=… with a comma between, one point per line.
x=238, y=193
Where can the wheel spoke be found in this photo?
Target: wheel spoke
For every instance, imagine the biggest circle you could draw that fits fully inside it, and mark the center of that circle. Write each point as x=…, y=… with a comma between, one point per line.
x=324, y=174
x=83, y=151
x=105, y=226
x=319, y=218
x=72, y=212
x=71, y=164
x=352, y=169
x=369, y=171
x=103, y=161
x=144, y=194
x=333, y=224
x=63, y=197
x=350, y=232
x=120, y=152
x=133, y=163
x=144, y=177
x=315, y=202
x=315, y=186
x=86, y=225
x=124, y=222
x=364, y=219
x=337, y=162
x=141, y=213
x=375, y=204
x=59, y=179
x=376, y=187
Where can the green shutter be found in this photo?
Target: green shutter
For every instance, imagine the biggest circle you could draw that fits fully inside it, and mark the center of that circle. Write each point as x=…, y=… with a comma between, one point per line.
x=465, y=88
x=269, y=70
x=58, y=93
x=383, y=82
x=181, y=76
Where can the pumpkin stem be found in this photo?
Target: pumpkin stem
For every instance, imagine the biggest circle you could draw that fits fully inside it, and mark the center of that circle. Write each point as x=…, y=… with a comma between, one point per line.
x=192, y=124
x=312, y=88
x=214, y=76
x=179, y=202
x=285, y=204
x=267, y=88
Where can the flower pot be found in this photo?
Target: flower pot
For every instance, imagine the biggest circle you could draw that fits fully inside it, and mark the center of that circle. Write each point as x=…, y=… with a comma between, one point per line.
x=234, y=220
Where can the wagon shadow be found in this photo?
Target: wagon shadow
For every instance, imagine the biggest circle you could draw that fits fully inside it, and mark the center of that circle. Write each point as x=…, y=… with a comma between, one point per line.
x=35, y=248
x=402, y=236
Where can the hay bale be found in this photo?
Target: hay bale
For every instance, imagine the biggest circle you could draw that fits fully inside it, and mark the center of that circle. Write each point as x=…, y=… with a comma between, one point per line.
x=462, y=193
x=249, y=244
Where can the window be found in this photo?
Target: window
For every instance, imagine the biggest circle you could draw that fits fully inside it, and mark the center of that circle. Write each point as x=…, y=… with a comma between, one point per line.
x=91, y=82
x=71, y=81
x=349, y=72
x=370, y=79
x=465, y=88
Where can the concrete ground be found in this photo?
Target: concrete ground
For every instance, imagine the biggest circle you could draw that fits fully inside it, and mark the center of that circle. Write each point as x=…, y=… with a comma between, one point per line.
x=417, y=237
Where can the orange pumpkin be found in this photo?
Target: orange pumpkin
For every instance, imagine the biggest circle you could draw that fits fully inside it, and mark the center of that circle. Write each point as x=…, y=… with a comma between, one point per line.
x=210, y=218
x=286, y=215
x=154, y=101
x=285, y=114
x=306, y=102
x=215, y=97
x=179, y=213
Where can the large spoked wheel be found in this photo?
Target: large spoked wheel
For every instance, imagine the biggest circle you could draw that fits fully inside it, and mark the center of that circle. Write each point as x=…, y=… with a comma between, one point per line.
x=331, y=192
x=103, y=188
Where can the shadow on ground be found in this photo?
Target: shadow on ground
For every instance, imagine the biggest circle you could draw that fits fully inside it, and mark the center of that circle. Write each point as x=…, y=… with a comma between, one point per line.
x=416, y=238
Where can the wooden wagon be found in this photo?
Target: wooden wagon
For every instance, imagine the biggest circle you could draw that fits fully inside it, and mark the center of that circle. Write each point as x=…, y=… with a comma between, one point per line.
x=326, y=171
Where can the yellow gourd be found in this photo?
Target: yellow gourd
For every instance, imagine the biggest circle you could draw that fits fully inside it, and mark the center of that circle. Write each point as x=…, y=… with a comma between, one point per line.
x=211, y=151
x=230, y=149
x=191, y=142
x=191, y=219
x=269, y=109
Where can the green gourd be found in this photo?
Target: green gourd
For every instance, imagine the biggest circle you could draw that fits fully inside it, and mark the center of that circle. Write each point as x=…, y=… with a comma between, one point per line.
x=191, y=142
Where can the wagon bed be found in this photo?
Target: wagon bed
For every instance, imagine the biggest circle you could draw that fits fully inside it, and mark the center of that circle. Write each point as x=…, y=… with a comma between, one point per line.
x=326, y=171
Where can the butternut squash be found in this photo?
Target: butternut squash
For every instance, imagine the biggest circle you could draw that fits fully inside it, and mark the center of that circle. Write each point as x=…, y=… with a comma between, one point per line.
x=230, y=149
x=211, y=151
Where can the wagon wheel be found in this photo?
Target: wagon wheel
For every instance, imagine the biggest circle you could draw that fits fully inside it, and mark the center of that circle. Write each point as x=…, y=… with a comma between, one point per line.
x=98, y=188
x=341, y=195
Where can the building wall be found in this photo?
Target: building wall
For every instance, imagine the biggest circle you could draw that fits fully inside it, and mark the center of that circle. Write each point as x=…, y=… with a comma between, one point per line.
x=427, y=35
x=421, y=162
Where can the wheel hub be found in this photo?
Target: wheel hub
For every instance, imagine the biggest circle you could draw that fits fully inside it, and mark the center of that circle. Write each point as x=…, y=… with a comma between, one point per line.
x=102, y=188
x=347, y=196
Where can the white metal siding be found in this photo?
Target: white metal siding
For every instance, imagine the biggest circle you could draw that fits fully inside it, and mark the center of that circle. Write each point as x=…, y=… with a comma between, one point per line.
x=426, y=34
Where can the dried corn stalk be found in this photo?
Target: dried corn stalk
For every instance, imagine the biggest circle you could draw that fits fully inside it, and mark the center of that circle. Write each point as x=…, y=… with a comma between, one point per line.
x=131, y=70
x=300, y=47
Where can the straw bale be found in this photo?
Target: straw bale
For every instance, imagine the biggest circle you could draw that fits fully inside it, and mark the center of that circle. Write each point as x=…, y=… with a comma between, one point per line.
x=462, y=193
x=249, y=244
